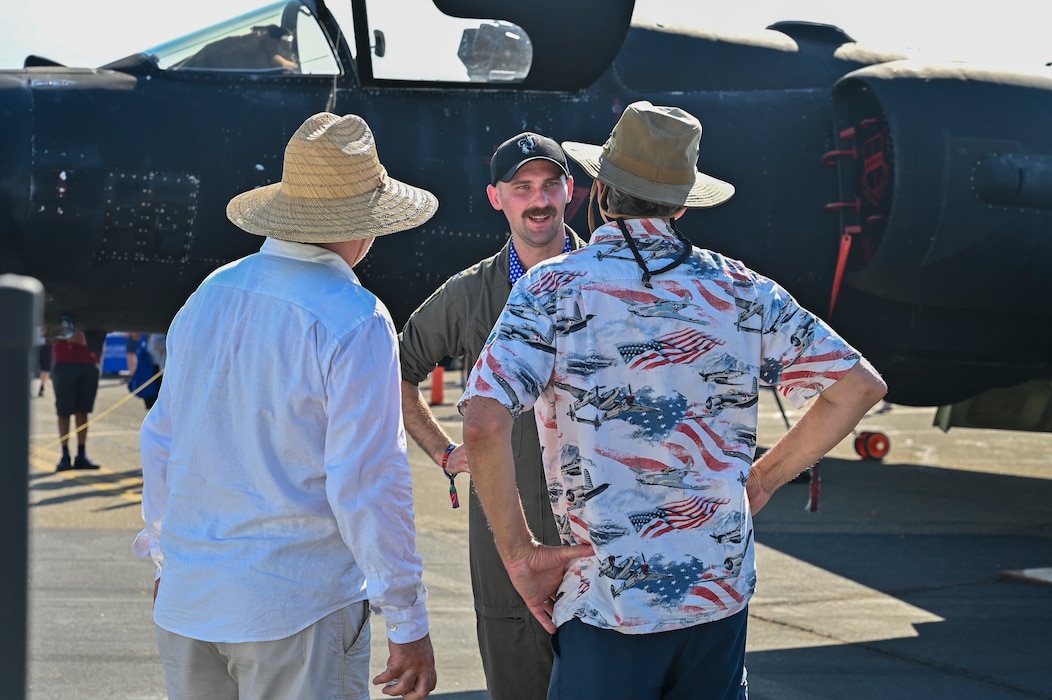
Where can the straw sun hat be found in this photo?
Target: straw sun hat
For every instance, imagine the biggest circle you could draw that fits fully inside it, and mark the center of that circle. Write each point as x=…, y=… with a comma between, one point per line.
x=332, y=188
x=652, y=153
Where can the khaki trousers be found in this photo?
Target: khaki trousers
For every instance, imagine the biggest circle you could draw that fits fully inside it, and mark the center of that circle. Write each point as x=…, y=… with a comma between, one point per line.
x=327, y=661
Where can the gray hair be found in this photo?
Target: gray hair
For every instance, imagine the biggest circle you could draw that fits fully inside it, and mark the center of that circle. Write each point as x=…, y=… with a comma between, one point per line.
x=620, y=203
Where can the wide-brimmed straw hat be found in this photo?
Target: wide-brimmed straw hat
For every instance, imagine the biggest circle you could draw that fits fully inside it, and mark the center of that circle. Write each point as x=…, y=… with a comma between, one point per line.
x=333, y=188
x=652, y=153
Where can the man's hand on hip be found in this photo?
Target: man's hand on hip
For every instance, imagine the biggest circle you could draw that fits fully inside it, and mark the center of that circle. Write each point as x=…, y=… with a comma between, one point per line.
x=537, y=574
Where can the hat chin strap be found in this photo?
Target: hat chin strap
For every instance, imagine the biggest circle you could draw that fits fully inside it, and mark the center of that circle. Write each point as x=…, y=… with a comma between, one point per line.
x=647, y=273
x=594, y=197
x=607, y=216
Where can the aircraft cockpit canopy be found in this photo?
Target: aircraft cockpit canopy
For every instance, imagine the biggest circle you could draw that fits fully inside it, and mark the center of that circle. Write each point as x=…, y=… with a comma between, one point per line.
x=281, y=37
x=423, y=44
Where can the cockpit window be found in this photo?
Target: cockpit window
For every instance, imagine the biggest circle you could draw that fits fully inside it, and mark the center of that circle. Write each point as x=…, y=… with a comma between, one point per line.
x=410, y=40
x=282, y=38
x=414, y=41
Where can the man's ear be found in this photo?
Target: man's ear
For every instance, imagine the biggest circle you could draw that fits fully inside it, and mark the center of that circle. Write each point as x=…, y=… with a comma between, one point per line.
x=569, y=188
x=494, y=197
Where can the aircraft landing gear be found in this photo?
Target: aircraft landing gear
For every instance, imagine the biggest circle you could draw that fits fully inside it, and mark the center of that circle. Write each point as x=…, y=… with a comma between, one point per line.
x=870, y=445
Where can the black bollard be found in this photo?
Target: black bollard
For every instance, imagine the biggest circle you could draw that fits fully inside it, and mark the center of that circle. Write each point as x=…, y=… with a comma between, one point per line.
x=21, y=311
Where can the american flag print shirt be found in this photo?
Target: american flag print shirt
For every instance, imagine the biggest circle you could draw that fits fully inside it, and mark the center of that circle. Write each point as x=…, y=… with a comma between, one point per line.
x=646, y=402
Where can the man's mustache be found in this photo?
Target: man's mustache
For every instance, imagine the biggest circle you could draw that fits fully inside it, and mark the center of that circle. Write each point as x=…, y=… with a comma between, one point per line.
x=540, y=211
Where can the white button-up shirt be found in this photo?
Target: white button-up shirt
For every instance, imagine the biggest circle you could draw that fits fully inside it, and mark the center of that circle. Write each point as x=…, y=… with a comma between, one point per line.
x=276, y=484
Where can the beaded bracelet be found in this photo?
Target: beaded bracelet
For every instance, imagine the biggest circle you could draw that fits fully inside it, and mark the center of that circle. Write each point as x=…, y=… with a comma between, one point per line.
x=453, y=498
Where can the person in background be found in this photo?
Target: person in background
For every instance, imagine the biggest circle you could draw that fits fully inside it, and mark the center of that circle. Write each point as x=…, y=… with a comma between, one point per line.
x=75, y=379
x=131, y=350
x=531, y=184
x=158, y=354
x=147, y=367
x=43, y=359
x=277, y=497
x=647, y=417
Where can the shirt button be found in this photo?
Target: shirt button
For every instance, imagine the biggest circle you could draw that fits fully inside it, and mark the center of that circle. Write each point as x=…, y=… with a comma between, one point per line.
x=392, y=627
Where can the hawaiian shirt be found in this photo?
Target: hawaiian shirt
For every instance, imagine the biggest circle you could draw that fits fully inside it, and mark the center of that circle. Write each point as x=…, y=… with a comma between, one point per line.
x=646, y=405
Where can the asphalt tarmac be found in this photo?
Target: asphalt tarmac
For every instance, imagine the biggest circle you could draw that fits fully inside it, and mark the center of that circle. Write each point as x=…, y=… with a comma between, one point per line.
x=899, y=586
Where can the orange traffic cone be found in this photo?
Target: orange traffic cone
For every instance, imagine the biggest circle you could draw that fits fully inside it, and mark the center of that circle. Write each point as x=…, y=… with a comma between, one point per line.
x=438, y=381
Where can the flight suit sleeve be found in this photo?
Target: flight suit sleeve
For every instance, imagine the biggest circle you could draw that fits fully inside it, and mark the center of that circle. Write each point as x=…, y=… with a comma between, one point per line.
x=431, y=334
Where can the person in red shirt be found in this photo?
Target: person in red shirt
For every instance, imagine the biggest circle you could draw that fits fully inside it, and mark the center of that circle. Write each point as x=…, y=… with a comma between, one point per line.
x=43, y=360
x=75, y=378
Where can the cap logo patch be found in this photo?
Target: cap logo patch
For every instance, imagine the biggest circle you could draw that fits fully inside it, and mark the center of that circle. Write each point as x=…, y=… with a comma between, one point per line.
x=527, y=145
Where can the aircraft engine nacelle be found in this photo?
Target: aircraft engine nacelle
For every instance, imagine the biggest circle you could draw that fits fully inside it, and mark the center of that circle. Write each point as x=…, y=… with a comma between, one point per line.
x=946, y=185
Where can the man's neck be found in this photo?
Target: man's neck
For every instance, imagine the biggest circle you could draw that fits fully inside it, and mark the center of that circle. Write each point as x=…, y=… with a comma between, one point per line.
x=530, y=256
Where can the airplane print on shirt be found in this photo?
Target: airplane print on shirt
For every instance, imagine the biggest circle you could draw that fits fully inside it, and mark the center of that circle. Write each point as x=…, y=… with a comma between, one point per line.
x=723, y=370
x=587, y=365
x=687, y=444
x=629, y=572
x=527, y=334
x=564, y=325
x=665, y=308
x=614, y=250
x=609, y=404
x=656, y=426
x=676, y=423
x=647, y=304
x=689, y=585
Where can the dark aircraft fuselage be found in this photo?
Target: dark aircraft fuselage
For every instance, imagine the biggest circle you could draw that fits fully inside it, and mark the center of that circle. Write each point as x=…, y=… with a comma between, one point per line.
x=910, y=202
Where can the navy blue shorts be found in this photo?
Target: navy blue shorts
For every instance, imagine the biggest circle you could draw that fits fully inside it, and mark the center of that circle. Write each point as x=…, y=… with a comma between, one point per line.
x=75, y=387
x=703, y=662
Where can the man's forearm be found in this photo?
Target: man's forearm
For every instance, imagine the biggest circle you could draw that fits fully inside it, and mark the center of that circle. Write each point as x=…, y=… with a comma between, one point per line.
x=421, y=423
x=487, y=436
x=833, y=416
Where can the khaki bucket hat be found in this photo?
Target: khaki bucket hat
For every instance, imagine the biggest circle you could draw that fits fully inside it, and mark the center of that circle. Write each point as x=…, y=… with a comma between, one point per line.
x=652, y=153
x=333, y=188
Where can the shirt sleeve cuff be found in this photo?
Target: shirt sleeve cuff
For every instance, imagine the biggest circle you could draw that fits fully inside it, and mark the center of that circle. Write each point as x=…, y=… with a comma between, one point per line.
x=141, y=545
x=405, y=625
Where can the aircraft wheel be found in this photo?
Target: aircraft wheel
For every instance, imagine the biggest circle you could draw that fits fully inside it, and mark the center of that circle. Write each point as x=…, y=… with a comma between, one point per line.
x=872, y=445
x=860, y=444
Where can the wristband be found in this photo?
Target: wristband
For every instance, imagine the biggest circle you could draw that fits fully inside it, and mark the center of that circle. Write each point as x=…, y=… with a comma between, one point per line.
x=453, y=498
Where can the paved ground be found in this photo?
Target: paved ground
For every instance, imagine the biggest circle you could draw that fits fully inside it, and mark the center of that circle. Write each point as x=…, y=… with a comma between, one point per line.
x=892, y=589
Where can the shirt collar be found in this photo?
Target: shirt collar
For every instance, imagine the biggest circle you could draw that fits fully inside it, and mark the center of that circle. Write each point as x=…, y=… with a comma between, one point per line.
x=516, y=270
x=308, y=253
x=640, y=229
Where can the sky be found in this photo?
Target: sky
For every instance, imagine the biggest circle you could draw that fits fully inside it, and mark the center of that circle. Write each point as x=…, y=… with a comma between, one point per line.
x=93, y=32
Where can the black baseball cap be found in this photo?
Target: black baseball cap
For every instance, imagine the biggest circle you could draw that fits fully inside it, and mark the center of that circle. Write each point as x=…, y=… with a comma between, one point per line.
x=519, y=150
